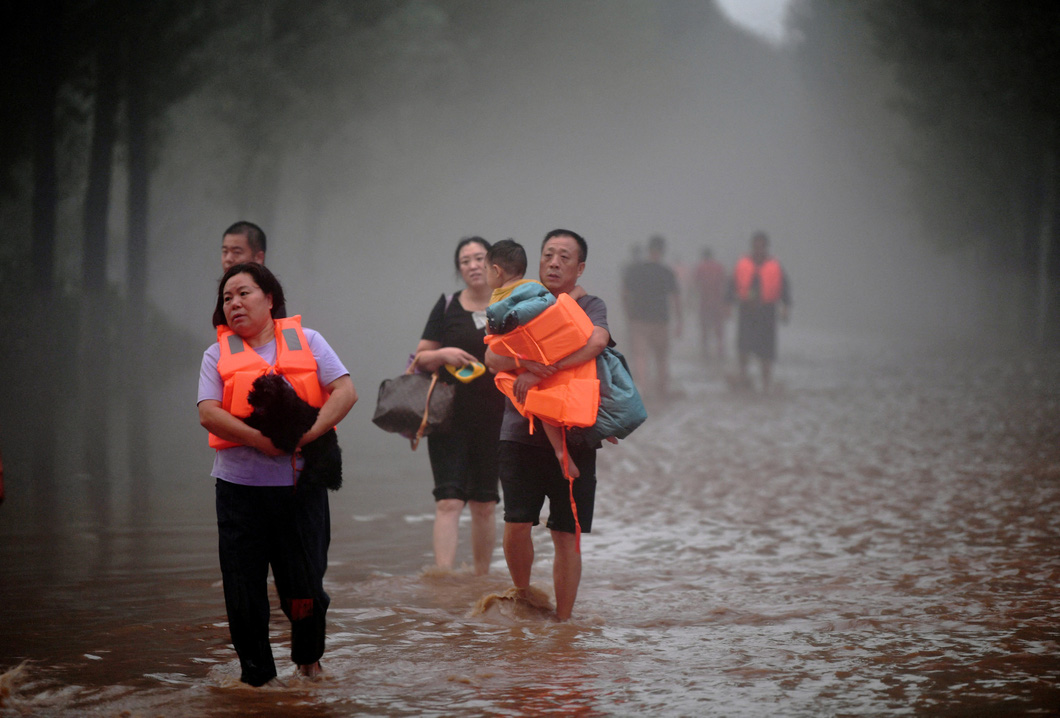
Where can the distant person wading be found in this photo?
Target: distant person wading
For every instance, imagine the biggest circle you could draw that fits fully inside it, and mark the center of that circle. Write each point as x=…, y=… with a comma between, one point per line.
x=762, y=292
x=653, y=298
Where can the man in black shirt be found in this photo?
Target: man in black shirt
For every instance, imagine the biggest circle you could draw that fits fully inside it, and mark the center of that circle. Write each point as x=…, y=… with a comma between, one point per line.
x=651, y=296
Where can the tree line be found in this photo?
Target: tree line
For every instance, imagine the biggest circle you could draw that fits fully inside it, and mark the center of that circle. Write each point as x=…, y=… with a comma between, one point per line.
x=88, y=88
x=978, y=83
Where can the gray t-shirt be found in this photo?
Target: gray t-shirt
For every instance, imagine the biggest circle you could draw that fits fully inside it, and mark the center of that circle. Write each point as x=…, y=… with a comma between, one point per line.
x=515, y=426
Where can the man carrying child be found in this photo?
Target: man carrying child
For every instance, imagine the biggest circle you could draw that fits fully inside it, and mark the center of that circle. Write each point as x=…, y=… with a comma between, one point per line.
x=515, y=301
x=530, y=467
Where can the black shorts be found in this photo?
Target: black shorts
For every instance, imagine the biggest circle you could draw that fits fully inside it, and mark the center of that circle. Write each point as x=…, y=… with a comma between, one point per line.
x=530, y=473
x=756, y=330
x=464, y=463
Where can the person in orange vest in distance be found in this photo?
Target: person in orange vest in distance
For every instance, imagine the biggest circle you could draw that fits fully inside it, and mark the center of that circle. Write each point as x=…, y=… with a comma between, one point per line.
x=529, y=469
x=762, y=292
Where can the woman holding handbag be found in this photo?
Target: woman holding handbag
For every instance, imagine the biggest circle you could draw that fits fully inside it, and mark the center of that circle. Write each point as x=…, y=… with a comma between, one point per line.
x=464, y=459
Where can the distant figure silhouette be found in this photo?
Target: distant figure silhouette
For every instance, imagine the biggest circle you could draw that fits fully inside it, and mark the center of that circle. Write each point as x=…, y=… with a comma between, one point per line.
x=710, y=277
x=652, y=297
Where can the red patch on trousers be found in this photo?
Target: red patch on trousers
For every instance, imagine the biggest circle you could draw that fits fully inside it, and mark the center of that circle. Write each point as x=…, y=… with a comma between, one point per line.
x=301, y=608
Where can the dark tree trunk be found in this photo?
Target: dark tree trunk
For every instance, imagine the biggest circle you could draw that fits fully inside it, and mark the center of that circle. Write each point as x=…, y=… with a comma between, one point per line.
x=95, y=348
x=45, y=96
x=1046, y=229
x=101, y=157
x=136, y=282
x=45, y=177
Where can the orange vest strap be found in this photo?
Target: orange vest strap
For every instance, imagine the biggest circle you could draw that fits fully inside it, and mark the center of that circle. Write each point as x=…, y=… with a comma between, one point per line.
x=565, y=465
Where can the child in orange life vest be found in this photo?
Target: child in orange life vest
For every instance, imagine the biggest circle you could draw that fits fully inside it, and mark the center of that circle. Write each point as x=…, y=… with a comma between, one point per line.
x=505, y=267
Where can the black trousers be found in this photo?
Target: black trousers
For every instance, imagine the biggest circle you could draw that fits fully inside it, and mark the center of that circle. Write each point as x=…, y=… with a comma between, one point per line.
x=290, y=530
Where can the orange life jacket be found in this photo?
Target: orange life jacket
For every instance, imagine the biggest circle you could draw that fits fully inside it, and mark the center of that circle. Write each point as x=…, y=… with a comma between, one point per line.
x=239, y=365
x=771, y=278
x=559, y=330
x=570, y=397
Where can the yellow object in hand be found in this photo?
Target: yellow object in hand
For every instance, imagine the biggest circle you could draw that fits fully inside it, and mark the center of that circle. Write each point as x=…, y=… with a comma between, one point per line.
x=467, y=372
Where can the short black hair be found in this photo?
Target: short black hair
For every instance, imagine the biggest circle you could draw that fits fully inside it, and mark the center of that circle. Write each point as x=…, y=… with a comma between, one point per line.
x=254, y=234
x=463, y=243
x=509, y=255
x=262, y=277
x=583, y=248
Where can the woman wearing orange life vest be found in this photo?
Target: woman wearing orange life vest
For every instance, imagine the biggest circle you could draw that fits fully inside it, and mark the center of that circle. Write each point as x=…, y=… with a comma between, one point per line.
x=263, y=518
x=761, y=288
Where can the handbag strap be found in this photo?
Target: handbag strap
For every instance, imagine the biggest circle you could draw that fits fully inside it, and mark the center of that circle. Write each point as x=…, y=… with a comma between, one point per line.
x=412, y=364
x=415, y=440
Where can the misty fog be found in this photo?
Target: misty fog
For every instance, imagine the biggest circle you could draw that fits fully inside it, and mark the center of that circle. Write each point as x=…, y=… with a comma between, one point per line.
x=617, y=120
x=888, y=511
x=615, y=123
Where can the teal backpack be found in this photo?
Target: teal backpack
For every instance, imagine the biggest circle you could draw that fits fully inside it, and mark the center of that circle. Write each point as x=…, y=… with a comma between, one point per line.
x=621, y=409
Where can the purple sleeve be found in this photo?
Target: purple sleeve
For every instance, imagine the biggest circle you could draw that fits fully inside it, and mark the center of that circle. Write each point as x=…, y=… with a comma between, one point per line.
x=329, y=366
x=210, y=384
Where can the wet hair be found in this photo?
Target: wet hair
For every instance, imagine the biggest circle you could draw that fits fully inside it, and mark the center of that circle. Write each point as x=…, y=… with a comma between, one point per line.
x=509, y=255
x=261, y=276
x=463, y=243
x=583, y=248
x=254, y=234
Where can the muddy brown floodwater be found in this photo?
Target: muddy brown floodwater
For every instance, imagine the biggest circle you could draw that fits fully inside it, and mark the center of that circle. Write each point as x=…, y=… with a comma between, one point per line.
x=882, y=537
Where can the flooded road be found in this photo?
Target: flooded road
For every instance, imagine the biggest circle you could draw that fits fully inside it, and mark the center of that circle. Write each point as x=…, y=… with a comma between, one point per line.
x=882, y=537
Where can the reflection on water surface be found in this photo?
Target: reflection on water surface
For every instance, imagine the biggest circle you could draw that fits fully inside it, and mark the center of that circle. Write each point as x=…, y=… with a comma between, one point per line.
x=883, y=538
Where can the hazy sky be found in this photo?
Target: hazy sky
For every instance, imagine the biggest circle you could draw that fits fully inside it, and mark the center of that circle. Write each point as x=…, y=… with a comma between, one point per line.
x=764, y=17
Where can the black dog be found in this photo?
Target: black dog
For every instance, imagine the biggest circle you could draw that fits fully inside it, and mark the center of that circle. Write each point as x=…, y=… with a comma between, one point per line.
x=283, y=416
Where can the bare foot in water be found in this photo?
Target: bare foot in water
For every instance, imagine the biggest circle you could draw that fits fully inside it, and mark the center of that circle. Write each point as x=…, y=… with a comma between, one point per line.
x=311, y=670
